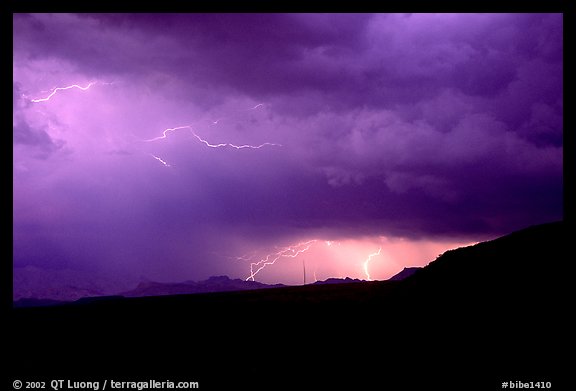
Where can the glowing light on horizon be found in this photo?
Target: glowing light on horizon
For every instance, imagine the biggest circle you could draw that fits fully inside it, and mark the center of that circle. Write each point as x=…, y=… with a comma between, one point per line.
x=287, y=252
x=366, y=258
x=367, y=262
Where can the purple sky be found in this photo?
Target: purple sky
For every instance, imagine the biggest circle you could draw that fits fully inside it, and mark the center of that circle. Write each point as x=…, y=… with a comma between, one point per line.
x=409, y=133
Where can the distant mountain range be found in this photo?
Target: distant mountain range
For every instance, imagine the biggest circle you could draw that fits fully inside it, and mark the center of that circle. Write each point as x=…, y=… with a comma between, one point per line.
x=334, y=280
x=226, y=284
x=212, y=284
x=32, y=283
x=405, y=273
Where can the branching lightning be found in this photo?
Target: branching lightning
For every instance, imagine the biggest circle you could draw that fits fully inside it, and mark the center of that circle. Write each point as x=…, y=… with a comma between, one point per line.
x=294, y=251
x=208, y=144
x=367, y=262
x=286, y=252
x=223, y=145
x=55, y=90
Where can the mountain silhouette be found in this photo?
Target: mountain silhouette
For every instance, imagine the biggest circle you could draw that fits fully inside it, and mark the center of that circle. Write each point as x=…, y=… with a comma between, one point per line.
x=212, y=284
x=404, y=273
x=334, y=280
x=472, y=318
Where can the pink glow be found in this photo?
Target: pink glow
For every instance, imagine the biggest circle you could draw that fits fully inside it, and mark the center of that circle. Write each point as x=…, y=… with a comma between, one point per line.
x=354, y=258
x=367, y=263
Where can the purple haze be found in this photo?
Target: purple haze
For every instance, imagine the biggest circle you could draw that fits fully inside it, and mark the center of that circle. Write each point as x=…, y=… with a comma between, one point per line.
x=416, y=127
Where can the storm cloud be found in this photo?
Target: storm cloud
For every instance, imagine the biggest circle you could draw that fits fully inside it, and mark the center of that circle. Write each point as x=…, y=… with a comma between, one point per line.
x=412, y=126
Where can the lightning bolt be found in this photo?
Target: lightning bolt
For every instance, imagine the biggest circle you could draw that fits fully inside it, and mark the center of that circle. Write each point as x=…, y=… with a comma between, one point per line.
x=223, y=145
x=287, y=252
x=55, y=90
x=161, y=160
x=367, y=261
x=166, y=131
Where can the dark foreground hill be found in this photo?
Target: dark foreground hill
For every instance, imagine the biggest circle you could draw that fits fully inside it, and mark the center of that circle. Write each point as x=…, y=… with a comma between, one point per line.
x=475, y=317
